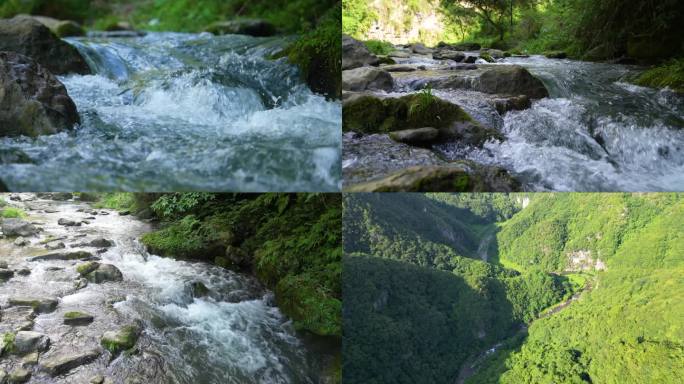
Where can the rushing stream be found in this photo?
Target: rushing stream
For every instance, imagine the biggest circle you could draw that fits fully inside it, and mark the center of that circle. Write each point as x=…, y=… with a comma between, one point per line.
x=171, y=111
x=236, y=334
x=596, y=131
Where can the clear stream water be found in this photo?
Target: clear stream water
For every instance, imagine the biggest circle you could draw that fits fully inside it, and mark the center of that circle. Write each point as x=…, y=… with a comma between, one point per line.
x=596, y=131
x=171, y=111
x=234, y=335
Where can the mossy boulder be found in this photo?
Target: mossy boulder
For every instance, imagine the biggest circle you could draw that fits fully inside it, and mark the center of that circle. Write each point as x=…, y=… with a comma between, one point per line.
x=61, y=28
x=487, y=57
x=40, y=305
x=368, y=114
x=87, y=267
x=121, y=340
x=443, y=179
x=355, y=54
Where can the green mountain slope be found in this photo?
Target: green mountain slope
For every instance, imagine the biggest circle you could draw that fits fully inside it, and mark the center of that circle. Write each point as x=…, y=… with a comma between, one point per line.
x=411, y=324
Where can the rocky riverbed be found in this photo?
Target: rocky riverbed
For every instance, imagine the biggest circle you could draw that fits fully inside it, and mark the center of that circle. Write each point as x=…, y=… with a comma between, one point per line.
x=82, y=301
x=537, y=123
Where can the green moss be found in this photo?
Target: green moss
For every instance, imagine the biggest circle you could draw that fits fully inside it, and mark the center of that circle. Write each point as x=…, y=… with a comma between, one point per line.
x=379, y=47
x=183, y=239
x=487, y=57
x=12, y=212
x=368, y=114
x=74, y=315
x=318, y=54
x=122, y=340
x=8, y=342
x=86, y=268
x=669, y=74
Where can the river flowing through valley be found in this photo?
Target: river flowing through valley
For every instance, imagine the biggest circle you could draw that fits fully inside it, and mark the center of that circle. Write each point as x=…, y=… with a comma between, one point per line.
x=595, y=131
x=233, y=334
x=172, y=111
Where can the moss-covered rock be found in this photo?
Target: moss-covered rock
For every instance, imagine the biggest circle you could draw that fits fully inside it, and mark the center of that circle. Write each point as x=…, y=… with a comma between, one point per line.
x=318, y=54
x=77, y=318
x=87, y=267
x=121, y=340
x=487, y=57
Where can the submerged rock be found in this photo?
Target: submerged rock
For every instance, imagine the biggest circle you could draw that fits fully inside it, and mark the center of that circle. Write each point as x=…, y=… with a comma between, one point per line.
x=366, y=78
x=6, y=274
x=355, y=54
x=33, y=101
x=28, y=341
x=17, y=227
x=441, y=179
x=68, y=223
x=64, y=363
x=28, y=37
x=252, y=27
x=199, y=289
x=20, y=241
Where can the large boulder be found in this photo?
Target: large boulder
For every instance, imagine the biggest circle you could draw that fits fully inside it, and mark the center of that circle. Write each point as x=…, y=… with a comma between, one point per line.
x=442, y=179
x=252, y=27
x=511, y=80
x=30, y=38
x=17, y=227
x=355, y=54
x=420, y=49
x=32, y=101
x=366, y=78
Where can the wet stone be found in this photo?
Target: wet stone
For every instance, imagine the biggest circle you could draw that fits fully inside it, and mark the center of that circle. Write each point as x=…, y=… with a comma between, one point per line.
x=23, y=272
x=63, y=363
x=19, y=375
x=6, y=274
x=30, y=359
x=39, y=305
x=77, y=318
x=29, y=341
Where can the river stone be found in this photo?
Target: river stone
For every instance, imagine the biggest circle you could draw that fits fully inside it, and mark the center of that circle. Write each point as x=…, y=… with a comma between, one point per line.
x=56, y=196
x=366, y=78
x=420, y=49
x=76, y=255
x=30, y=359
x=17, y=227
x=122, y=339
x=20, y=241
x=3, y=376
x=441, y=179
x=34, y=102
x=100, y=243
x=29, y=341
x=355, y=54
x=399, y=68
x=30, y=38
x=23, y=272
x=104, y=273
x=55, y=246
x=448, y=54
x=495, y=53
x=252, y=27
x=3, y=265
x=64, y=363
x=6, y=274
x=517, y=103
x=399, y=54
x=511, y=80
x=19, y=375
x=40, y=305
x=68, y=223
x=418, y=136
x=470, y=59
x=77, y=318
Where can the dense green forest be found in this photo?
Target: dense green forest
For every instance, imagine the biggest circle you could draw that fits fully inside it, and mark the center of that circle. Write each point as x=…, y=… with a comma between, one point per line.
x=620, y=255
x=642, y=30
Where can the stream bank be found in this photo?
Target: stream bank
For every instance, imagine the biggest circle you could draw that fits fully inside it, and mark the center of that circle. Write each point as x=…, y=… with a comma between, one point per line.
x=178, y=321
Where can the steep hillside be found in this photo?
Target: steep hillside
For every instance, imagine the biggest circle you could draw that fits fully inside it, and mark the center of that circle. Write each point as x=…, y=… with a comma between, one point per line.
x=578, y=288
